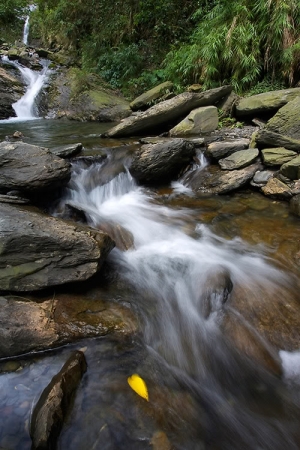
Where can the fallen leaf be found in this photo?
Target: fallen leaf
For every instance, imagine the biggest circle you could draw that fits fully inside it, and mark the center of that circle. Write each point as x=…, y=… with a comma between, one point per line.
x=138, y=385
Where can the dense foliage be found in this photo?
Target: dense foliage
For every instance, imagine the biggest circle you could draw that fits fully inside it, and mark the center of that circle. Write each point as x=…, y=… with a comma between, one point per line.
x=135, y=44
x=11, y=21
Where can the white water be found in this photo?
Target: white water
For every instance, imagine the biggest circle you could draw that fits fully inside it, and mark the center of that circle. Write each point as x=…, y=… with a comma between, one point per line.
x=25, y=108
x=26, y=25
x=171, y=272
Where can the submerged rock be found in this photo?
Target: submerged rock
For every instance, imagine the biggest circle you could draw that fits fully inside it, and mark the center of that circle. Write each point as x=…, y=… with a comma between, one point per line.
x=38, y=251
x=167, y=112
x=295, y=205
x=161, y=162
x=55, y=402
x=30, y=168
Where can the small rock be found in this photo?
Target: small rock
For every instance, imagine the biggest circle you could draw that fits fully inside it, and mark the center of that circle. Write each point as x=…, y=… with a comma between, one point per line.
x=222, y=149
x=239, y=160
x=277, y=156
x=261, y=177
x=277, y=189
x=295, y=205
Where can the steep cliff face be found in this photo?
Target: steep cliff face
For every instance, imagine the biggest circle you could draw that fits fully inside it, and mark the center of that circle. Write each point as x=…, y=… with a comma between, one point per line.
x=11, y=89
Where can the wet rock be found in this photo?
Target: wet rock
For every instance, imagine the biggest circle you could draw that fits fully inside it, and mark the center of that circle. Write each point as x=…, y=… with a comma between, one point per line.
x=166, y=112
x=11, y=90
x=201, y=120
x=13, y=199
x=55, y=402
x=17, y=135
x=59, y=319
x=295, y=205
x=215, y=292
x=217, y=150
x=39, y=251
x=266, y=103
x=123, y=238
x=161, y=162
x=66, y=151
x=30, y=168
x=239, y=160
x=291, y=169
x=261, y=178
x=277, y=156
x=213, y=180
x=277, y=189
x=144, y=101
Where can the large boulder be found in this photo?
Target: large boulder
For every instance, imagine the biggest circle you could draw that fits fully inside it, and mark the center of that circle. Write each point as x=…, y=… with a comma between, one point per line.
x=144, y=101
x=11, y=90
x=201, y=120
x=55, y=402
x=220, y=149
x=266, y=103
x=240, y=159
x=277, y=156
x=161, y=162
x=291, y=169
x=30, y=168
x=286, y=121
x=38, y=251
x=168, y=112
x=86, y=100
x=213, y=180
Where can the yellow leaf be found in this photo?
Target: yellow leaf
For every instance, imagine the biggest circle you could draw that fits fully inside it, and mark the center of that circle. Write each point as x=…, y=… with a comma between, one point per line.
x=138, y=385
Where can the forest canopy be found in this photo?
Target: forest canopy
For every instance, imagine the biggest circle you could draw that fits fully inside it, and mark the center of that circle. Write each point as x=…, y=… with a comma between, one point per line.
x=251, y=44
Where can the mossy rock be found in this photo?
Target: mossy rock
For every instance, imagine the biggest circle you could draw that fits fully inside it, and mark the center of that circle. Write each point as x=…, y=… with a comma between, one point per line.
x=145, y=100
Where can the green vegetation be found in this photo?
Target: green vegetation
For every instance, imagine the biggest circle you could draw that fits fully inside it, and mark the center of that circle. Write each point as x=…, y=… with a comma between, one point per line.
x=11, y=21
x=135, y=44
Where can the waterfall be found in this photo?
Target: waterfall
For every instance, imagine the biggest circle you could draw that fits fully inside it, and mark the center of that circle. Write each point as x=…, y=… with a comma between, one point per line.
x=25, y=108
x=26, y=25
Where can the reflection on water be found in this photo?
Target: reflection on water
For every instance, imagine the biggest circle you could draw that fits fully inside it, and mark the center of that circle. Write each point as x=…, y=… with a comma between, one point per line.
x=218, y=318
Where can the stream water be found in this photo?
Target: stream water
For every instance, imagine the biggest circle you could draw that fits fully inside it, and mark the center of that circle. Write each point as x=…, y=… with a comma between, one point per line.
x=212, y=284
x=205, y=392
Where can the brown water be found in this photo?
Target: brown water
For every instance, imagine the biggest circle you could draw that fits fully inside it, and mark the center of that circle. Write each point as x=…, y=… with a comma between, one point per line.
x=211, y=368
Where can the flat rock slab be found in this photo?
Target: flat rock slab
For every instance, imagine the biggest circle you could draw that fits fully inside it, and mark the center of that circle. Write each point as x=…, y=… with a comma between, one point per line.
x=268, y=138
x=38, y=251
x=30, y=168
x=27, y=326
x=161, y=162
x=239, y=160
x=167, y=112
x=217, y=150
x=66, y=151
x=55, y=402
x=268, y=102
x=213, y=180
x=277, y=156
x=291, y=169
x=201, y=120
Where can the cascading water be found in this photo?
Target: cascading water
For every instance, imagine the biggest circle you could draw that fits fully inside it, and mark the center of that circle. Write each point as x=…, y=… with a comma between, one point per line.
x=173, y=276
x=26, y=25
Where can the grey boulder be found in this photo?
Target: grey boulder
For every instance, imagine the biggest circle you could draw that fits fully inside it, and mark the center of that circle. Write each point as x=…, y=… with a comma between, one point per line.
x=239, y=160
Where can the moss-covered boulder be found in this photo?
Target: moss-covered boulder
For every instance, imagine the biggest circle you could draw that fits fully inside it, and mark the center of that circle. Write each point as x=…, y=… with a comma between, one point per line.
x=266, y=103
x=287, y=120
x=80, y=96
x=145, y=100
x=200, y=120
x=291, y=169
x=277, y=156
